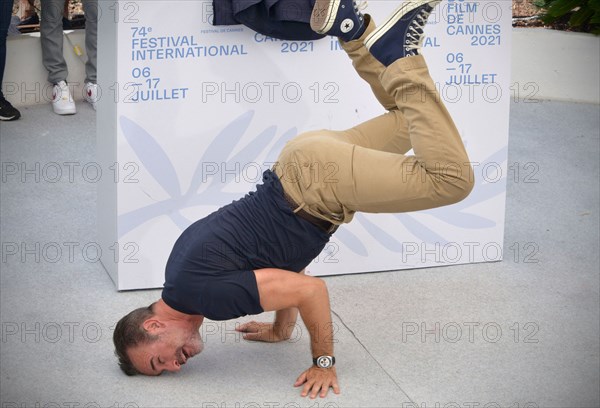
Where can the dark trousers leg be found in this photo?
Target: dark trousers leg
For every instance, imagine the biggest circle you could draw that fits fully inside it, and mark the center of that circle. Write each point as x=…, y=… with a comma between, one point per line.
x=5, y=14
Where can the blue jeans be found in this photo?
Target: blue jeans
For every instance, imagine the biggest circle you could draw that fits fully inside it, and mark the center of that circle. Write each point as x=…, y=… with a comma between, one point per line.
x=5, y=14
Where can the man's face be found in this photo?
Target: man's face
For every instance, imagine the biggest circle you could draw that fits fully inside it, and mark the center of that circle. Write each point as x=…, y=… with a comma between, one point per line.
x=176, y=343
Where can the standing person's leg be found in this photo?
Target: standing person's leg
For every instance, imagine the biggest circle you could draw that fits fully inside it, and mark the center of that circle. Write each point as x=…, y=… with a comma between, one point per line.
x=7, y=111
x=51, y=30
x=5, y=15
x=90, y=8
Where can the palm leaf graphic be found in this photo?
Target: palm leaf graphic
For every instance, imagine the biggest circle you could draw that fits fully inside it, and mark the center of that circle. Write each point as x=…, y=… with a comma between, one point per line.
x=152, y=156
x=418, y=229
x=179, y=220
x=462, y=219
x=161, y=168
x=220, y=148
x=382, y=236
x=351, y=241
x=259, y=144
x=249, y=153
x=278, y=146
x=218, y=151
x=131, y=220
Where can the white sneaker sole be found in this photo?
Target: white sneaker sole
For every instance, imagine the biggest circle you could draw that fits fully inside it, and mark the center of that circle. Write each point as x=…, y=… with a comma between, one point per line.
x=400, y=12
x=92, y=103
x=67, y=111
x=323, y=15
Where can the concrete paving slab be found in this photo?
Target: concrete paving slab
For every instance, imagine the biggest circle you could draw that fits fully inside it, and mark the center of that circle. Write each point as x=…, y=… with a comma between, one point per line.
x=524, y=330
x=58, y=306
x=517, y=332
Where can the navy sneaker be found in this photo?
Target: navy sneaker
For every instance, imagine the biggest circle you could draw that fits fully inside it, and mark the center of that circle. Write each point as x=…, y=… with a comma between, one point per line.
x=340, y=18
x=402, y=34
x=7, y=111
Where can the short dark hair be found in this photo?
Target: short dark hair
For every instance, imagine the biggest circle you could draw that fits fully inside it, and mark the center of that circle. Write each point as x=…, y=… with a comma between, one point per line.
x=129, y=333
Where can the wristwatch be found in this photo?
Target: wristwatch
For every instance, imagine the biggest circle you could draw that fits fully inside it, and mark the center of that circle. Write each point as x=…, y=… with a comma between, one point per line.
x=324, y=361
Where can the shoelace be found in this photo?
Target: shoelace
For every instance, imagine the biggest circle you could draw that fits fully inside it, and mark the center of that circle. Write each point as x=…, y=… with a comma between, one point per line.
x=414, y=36
x=359, y=6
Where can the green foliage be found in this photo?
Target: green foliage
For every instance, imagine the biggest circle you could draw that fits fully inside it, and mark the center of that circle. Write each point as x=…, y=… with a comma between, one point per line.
x=583, y=15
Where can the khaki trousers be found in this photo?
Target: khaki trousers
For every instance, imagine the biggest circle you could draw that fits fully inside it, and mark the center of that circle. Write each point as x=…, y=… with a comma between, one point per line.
x=333, y=174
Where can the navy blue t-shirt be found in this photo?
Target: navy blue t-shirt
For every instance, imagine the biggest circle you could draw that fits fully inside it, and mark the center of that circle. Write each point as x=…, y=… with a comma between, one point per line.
x=210, y=269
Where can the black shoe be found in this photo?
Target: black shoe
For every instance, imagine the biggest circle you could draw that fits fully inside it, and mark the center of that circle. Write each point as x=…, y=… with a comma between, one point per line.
x=76, y=23
x=402, y=34
x=31, y=20
x=7, y=111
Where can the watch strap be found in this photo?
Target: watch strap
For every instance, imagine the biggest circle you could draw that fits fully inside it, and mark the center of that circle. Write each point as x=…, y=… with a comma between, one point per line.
x=316, y=359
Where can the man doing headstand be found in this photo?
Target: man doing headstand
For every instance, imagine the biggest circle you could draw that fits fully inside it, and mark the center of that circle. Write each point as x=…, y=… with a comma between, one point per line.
x=245, y=258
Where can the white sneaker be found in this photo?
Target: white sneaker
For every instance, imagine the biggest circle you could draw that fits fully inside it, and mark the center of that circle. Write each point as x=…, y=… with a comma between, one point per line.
x=90, y=92
x=62, y=100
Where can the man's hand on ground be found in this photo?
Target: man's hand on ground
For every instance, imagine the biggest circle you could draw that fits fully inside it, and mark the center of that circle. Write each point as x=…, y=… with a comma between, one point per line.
x=317, y=379
x=258, y=331
x=284, y=290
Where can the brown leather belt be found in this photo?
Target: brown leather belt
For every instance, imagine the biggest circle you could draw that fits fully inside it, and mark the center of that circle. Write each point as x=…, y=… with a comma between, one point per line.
x=318, y=222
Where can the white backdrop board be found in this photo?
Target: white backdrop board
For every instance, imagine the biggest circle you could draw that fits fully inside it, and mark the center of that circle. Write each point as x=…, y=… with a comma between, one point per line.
x=192, y=114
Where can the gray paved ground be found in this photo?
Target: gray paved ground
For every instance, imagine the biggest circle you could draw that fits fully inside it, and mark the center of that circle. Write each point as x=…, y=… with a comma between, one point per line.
x=518, y=332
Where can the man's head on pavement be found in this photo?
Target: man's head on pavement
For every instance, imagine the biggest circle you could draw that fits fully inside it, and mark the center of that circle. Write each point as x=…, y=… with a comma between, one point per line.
x=153, y=339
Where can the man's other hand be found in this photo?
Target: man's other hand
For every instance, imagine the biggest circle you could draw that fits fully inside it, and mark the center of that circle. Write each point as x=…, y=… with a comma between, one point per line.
x=258, y=331
x=317, y=379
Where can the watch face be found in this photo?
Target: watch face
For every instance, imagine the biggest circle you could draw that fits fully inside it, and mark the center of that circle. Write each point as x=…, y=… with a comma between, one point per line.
x=324, y=362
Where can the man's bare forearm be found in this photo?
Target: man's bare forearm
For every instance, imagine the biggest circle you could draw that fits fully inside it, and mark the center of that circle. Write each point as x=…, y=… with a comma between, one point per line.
x=285, y=321
x=280, y=290
x=316, y=314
